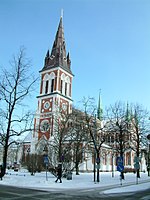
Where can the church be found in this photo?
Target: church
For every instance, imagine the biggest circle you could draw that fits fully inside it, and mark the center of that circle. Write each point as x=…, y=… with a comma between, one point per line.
x=56, y=93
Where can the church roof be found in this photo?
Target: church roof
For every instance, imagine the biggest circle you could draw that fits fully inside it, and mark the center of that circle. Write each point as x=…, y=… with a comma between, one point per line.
x=58, y=56
x=28, y=138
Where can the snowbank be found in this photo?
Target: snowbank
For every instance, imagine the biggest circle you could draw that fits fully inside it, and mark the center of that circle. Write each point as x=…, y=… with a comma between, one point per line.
x=83, y=181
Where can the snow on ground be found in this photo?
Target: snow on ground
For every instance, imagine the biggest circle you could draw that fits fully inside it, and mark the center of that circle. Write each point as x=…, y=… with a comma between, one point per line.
x=83, y=181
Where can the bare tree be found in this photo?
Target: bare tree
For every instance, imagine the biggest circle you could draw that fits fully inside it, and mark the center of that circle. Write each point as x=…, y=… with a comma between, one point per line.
x=59, y=146
x=15, y=85
x=139, y=128
x=94, y=129
x=79, y=137
x=68, y=140
x=117, y=128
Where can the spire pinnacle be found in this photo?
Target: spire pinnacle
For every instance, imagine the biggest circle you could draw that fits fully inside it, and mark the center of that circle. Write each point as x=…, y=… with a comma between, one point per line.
x=99, y=110
x=127, y=113
x=58, y=55
x=62, y=13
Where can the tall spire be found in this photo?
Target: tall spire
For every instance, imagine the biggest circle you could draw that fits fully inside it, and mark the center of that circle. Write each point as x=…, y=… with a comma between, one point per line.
x=127, y=113
x=136, y=118
x=99, y=110
x=58, y=56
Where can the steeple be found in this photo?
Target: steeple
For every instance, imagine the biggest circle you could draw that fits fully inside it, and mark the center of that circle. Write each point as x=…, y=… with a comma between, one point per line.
x=99, y=110
x=55, y=89
x=127, y=113
x=58, y=57
x=136, y=118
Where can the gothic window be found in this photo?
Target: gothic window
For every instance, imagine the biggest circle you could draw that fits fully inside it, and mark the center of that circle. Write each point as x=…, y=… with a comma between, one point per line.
x=128, y=158
x=65, y=85
x=61, y=86
x=46, y=87
x=65, y=88
x=48, y=83
x=52, y=78
x=45, y=84
x=52, y=85
x=105, y=158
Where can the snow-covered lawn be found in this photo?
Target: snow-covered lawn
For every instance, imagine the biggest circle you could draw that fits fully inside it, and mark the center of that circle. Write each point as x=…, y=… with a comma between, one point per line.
x=83, y=181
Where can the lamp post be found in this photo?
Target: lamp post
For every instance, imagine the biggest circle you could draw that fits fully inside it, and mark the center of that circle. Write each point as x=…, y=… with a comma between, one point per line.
x=148, y=155
x=45, y=157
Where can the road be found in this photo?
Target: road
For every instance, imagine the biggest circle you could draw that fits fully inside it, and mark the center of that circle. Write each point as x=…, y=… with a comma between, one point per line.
x=14, y=193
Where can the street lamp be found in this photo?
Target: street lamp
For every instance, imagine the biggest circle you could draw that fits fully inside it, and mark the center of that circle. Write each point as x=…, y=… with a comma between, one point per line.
x=45, y=157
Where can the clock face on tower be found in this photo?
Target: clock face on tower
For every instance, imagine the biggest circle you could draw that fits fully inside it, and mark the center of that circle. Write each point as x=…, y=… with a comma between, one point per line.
x=46, y=105
x=44, y=126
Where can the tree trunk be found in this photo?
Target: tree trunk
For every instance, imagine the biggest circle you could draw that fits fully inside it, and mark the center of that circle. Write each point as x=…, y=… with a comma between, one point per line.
x=138, y=153
x=77, y=160
x=98, y=165
x=5, y=158
x=94, y=166
x=121, y=150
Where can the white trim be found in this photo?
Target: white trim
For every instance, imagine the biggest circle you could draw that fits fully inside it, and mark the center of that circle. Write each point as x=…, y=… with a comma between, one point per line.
x=56, y=68
x=57, y=84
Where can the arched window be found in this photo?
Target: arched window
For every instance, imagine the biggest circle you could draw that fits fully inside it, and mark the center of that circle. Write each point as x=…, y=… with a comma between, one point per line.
x=46, y=87
x=45, y=84
x=67, y=86
x=52, y=85
x=48, y=83
x=62, y=86
x=128, y=158
x=52, y=78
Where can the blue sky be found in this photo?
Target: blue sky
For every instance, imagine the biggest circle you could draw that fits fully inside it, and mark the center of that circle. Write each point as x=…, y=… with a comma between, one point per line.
x=108, y=40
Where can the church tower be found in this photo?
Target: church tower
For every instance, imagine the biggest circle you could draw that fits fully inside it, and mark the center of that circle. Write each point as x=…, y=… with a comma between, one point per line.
x=55, y=87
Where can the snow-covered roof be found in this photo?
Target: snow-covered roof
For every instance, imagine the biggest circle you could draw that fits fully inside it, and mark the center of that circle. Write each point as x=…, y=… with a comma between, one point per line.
x=106, y=146
x=28, y=138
